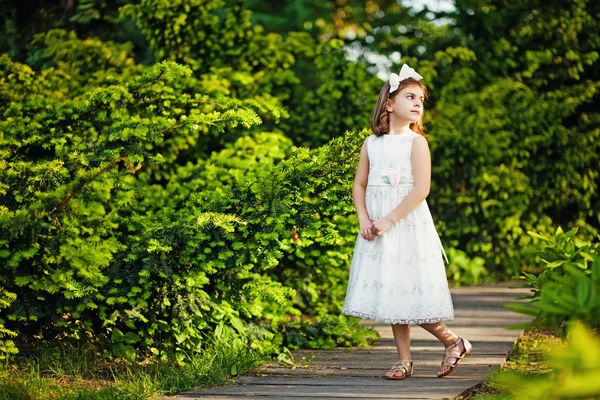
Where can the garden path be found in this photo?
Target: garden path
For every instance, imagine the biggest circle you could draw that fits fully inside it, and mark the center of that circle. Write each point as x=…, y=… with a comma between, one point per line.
x=357, y=373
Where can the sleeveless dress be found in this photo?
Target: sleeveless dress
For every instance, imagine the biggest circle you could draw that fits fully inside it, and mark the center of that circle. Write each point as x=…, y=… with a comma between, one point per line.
x=399, y=277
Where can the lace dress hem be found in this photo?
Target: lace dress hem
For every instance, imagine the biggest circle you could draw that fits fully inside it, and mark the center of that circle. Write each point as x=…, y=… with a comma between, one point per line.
x=375, y=317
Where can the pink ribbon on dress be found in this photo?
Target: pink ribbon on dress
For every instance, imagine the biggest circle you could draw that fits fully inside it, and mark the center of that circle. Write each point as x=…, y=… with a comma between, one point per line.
x=393, y=179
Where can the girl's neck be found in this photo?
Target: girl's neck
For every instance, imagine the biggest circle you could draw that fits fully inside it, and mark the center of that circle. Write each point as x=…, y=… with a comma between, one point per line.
x=399, y=127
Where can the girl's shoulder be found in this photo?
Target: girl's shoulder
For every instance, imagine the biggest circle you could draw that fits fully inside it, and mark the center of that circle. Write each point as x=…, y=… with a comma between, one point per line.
x=369, y=139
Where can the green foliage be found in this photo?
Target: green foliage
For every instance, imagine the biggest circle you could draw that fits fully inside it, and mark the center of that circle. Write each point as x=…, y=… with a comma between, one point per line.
x=465, y=270
x=195, y=32
x=524, y=102
x=491, y=186
x=316, y=265
x=7, y=346
x=575, y=370
x=93, y=18
x=328, y=95
x=335, y=96
x=329, y=332
x=73, y=209
x=569, y=286
x=62, y=370
x=141, y=268
x=83, y=60
x=548, y=43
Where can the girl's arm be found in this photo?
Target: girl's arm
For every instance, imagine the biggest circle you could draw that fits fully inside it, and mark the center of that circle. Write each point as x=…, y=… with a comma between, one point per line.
x=358, y=194
x=421, y=165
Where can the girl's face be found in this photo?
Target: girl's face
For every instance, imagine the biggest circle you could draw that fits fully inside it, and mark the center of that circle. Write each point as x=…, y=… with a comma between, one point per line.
x=408, y=104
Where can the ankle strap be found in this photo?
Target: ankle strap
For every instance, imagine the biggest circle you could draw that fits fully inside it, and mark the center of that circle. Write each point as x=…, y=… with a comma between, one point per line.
x=460, y=339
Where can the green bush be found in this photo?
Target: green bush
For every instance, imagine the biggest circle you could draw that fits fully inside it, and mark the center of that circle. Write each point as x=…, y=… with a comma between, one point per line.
x=465, y=270
x=82, y=260
x=327, y=333
x=114, y=235
x=7, y=346
x=575, y=370
x=492, y=180
x=142, y=268
x=568, y=288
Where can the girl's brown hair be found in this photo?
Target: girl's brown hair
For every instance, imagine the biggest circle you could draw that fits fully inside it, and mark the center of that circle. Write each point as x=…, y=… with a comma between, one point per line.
x=380, y=119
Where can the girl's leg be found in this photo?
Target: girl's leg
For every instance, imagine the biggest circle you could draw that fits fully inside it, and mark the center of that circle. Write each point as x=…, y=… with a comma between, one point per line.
x=402, y=340
x=447, y=337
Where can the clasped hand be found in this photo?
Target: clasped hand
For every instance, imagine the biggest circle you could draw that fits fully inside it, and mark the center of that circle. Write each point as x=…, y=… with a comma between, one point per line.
x=368, y=228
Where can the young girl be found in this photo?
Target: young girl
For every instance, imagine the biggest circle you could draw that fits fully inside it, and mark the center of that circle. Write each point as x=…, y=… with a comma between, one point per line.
x=397, y=274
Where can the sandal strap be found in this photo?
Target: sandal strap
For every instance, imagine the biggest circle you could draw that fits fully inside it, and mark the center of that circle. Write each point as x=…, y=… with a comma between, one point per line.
x=460, y=339
x=404, y=366
x=456, y=357
x=445, y=363
x=466, y=344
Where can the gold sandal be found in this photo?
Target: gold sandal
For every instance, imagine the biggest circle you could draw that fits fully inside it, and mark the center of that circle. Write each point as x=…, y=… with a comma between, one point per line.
x=404, y=366
x=458, y=357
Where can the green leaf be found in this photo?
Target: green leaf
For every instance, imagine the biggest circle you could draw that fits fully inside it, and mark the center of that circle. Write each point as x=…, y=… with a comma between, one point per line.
x=181, y=337
x=554, y=309
x=117, y=335
x=130, y=354
x=539, y=236
x=596, y=269
x=238, y=325
x=555, y=264
x=119, y=350
x=530, y=277
x=522, y=308
x=131, y=337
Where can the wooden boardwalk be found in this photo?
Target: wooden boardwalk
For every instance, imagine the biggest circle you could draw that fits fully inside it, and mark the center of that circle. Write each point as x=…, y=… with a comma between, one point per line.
x=357, y=373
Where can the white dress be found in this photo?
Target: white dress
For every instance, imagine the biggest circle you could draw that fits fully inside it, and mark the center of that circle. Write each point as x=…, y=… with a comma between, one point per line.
x=398, y=277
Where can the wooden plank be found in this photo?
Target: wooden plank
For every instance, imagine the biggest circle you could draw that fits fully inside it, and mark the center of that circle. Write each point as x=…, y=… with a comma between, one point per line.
x=421, y=371
x=423, y=380
x=287, y=397
x=387, y=390
x=192, y=395
x=386, y=346
x=316, y=357
x=384, y=365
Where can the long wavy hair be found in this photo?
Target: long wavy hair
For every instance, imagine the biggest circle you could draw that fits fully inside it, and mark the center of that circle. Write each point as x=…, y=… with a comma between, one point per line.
x=380, y=119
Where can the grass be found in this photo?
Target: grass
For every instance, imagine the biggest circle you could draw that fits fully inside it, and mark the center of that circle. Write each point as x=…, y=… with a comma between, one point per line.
x=527, y=359
x=67, y=372
x=60, y=371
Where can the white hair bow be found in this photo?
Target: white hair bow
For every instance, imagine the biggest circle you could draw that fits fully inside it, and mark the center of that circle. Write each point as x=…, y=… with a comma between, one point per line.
x=405, y=73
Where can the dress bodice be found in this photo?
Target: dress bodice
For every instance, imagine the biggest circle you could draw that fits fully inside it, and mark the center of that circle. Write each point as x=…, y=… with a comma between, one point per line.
x=390, y=159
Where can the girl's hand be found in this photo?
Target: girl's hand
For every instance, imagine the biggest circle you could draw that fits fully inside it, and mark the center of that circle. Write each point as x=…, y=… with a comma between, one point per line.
x=382, y=225
x=366, y=228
